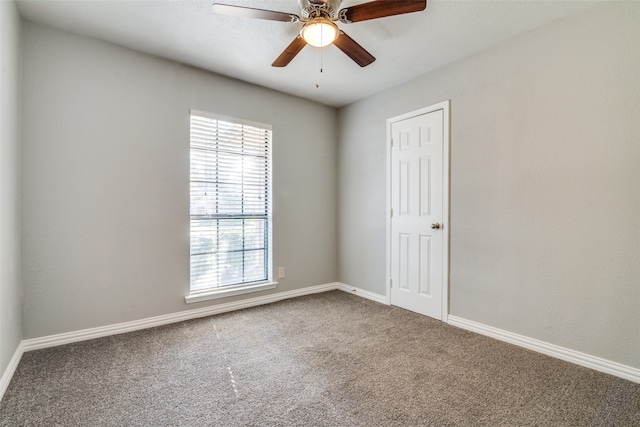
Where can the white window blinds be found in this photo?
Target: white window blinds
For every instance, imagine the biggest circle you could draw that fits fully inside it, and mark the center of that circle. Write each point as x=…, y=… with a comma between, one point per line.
x=230, y=202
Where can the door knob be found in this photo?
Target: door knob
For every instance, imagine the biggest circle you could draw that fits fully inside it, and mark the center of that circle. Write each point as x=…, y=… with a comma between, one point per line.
x=435, y=226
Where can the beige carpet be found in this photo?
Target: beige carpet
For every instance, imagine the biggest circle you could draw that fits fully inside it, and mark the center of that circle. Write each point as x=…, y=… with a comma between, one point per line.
x=330, y=359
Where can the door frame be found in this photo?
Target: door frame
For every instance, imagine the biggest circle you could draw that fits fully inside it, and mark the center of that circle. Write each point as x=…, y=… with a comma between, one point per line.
x=446, y=174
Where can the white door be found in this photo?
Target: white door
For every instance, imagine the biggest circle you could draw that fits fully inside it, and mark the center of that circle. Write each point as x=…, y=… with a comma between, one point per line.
x=417, y=218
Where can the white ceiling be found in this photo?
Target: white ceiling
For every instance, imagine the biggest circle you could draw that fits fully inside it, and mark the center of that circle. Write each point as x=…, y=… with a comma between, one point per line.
x=405, y=46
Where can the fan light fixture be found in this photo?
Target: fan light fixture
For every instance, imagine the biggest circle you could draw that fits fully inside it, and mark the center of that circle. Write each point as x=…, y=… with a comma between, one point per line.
x=320, y=32
x=318, y=19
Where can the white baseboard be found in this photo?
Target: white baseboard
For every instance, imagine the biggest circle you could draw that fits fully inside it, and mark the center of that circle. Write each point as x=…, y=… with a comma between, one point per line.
x=582, y=359
x=11, y=369
x=382, y=299
x=150, y=322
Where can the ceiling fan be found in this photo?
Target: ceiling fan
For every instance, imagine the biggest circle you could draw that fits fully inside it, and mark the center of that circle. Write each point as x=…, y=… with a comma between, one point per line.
x=319, y=29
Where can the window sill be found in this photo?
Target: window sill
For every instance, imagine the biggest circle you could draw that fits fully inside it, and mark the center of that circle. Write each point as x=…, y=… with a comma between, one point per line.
x=229, y=292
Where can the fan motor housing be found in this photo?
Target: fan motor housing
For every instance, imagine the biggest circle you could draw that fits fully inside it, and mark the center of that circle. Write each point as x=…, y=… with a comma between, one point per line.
x=319, y=8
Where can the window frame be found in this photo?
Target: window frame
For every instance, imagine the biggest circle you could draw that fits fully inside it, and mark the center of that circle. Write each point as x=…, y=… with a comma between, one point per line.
x=223, y=291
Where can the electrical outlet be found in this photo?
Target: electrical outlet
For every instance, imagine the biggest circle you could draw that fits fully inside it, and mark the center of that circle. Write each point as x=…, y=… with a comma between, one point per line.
x=280, y=272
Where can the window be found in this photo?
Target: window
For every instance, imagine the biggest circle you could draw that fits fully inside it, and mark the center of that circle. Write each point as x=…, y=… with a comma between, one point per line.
x=230, y=207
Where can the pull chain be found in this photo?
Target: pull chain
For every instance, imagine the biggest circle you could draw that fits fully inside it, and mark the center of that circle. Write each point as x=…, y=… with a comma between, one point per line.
x=319, y=66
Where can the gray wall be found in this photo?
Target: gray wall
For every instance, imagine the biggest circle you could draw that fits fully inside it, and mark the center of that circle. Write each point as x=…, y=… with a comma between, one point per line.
x=10, y=291
x=545, y=183
x=105, y=179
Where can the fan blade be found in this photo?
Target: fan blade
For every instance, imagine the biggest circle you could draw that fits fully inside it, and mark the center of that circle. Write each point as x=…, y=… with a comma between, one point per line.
x=290, y=52
x=353, y=50
x=380, y=9
x=248, y=12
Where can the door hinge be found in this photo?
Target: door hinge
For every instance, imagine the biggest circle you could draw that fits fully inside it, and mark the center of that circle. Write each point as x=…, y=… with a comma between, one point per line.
x=391, y=142
x=391, y=283
x=391, y=213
